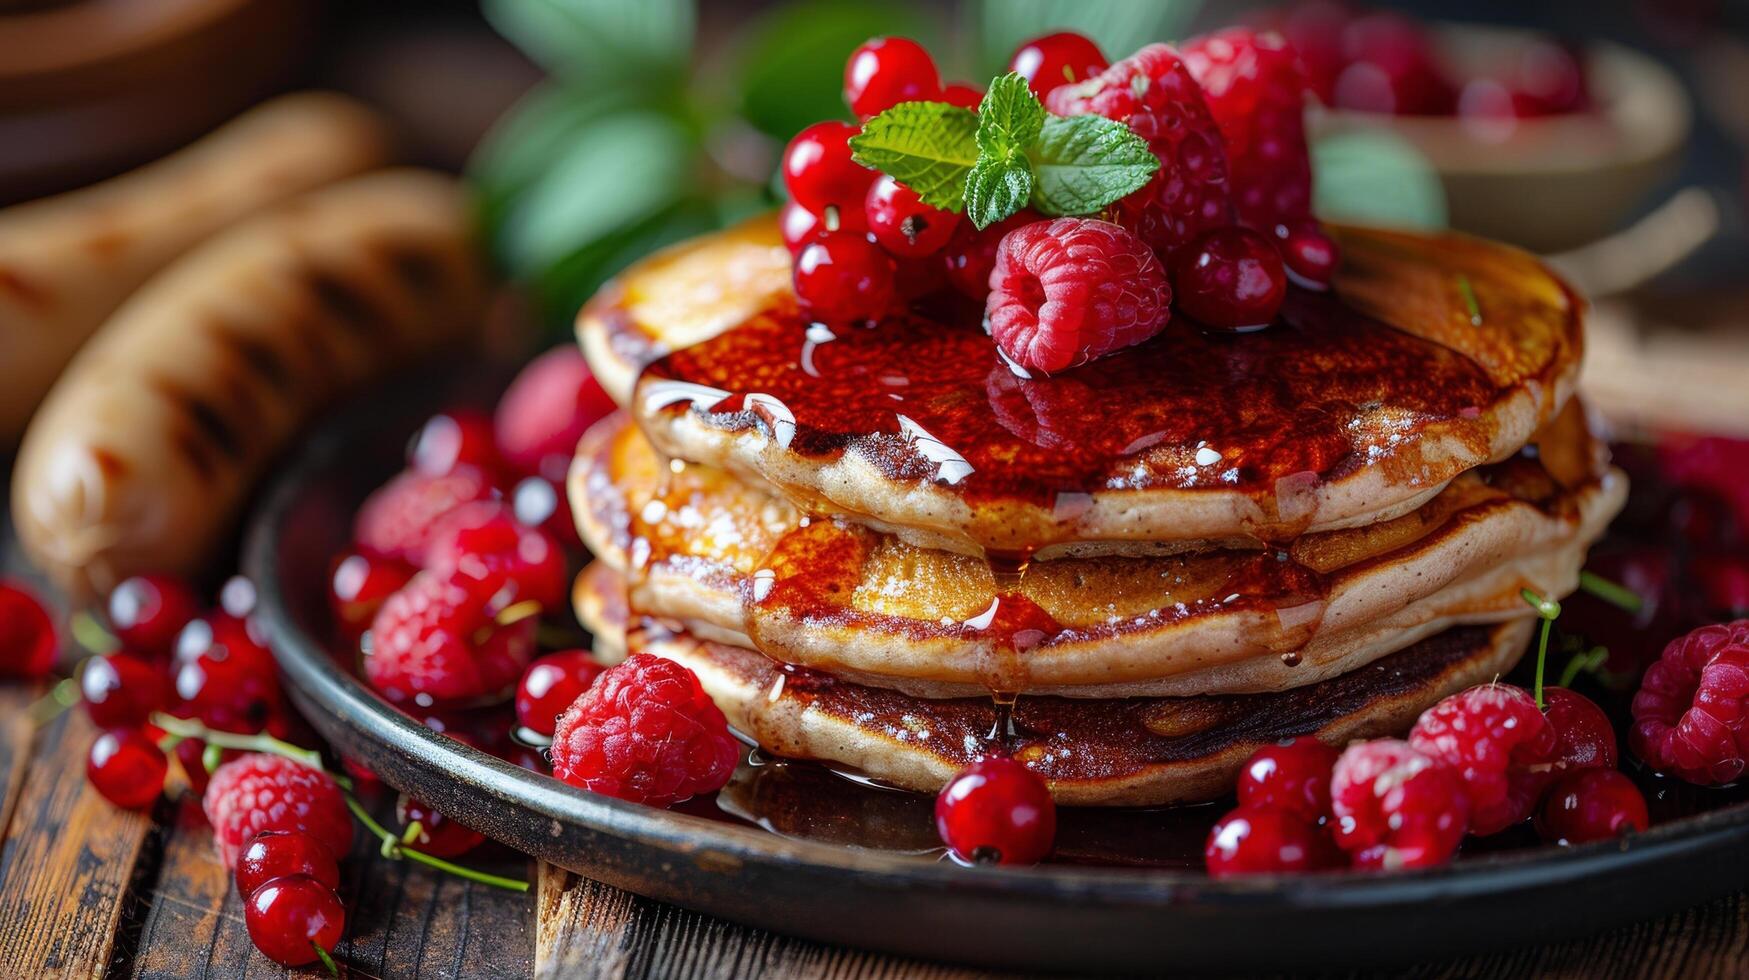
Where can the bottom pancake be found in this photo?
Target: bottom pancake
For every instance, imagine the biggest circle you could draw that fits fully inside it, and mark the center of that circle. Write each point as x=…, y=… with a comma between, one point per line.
x=1116, y=752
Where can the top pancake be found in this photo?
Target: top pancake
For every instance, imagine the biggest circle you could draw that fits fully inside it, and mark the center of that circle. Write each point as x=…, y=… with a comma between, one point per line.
x=1354, y=407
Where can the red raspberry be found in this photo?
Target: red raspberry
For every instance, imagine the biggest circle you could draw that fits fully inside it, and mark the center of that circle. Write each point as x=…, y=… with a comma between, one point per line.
x=259, y=792
x=1066, y=291
x=543, y=413
x=1153, y=93
x=458, y=437
x=1392, y=68
x=484, y=538
x=646, y=732
x=395, y=522
x=1265, y=840
x=359, y=586
x=437, y=641
x=1689, y=714
x=1292, y=776
x=1497, y=740
x=1395, y=807
x=1251, y=81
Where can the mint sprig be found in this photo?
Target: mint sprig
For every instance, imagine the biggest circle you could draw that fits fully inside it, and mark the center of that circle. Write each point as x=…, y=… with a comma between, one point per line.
x=1009, y=154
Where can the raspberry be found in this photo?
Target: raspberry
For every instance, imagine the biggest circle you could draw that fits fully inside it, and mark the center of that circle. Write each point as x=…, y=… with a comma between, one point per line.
x=646, y=732
x=1265, y=840
x=1492, y=736
x=1153, y=93
x=436, y=641
x=1689, y=714
x=395, y=522
x=1251, y=81
x=484, y=538
x=258, y=792
x=1066, y=291
x=1395, y=807
x=458, y=437
x=543, y=413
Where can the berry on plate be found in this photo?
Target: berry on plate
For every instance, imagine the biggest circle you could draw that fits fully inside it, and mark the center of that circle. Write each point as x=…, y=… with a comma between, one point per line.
x=1689, y=714
x=1584, y=737
x=360, y=585
x=1054, y=60
x=1591, y=804
x=971, y=255
x=1230, y=278
x=547, y=408
x=885, y=71
x=1498, y=742
x=288, y=918
x=996, y=811
x=1293, y=775
x=484, y=539
x=257, y=792
x=646, y=732
x=1311, y=257
x=1395, y=807
x=1265, y=840
x=1064, y=292
x=550, y=685
x=437, y=641
x=395, y=521
x=1251, y=80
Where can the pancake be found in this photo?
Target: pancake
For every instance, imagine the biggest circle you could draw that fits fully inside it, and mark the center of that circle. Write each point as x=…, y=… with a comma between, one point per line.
x=1357, y=406
x=1138, y=751
x=735, y=564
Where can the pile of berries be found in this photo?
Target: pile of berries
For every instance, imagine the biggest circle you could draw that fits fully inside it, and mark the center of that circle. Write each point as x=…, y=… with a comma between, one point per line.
x=1220, y=231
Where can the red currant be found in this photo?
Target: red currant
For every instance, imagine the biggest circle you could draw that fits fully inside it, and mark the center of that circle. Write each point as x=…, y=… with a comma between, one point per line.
x=1057, y=59
x=886, y=71
x=971, y=255
x=148, y=611
x=278, y=853
x=1265, y=840
x=550, y=685
x=801, y=226
x=1591, y=804
x=28, y=643
x=438, y=836
x=1231, y=278
x=1584, y=738
x=1723, y=583
x=289, y=917
x=537, y=502
x=842, y=277
x=1292, y=776
x=127, y=768
x=485, y=537
x=902, y=223
x=963, y=95
x=458, y=437
x=818, y=170
x=225, y=677
x=191, y=756
x=360, y=585
x=1310, y=256
x=997, y=811
x=121, y=691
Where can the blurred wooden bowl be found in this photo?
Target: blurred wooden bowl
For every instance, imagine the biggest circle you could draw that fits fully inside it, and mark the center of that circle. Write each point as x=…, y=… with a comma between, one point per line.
x=1553, y=182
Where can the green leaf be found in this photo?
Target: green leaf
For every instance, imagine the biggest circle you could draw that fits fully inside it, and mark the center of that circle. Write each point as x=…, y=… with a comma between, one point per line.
x=927, y=146
x=523, y=144
x=604, y=41
x=1009, y=120
x=996, y=189
x=1083, y=163
x=1117, y=26
x=1375, y=177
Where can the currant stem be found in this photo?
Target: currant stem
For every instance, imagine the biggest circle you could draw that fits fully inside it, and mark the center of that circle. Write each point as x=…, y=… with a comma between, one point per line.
x=327, y=960
x=90, y=634
x=1470, y=305
x=52, y=705
x=261, y=742
x=393, y=848
x=1614, y=593
x=1548, y=610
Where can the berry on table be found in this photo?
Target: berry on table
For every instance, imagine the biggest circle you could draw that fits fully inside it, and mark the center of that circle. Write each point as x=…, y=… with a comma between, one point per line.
x=120, y=690
x=1230, y=278
x=360, y=585
x=554, y=399
x=1054, y=60
x=289, y=917
x=996, y=811
x=257, y=792
x=902, y=223
x=1293, y=775
x=1267, y=840
x=1584, y=737
x=484, y=538
x=1067, y=291
x=458, y=437
x=885, y=71
x=438, y=835
x=818, y=170
x=1689, y=714
x=148, y=611
x=646, y=731
x=842, y=277
x=1498, y=742
x=1395, y=807
x=550, y=685
x=437, y=641
x=278, y=853
x=395, y=521
x=1591, y=804
x=1252, y=83
x=127, y=768
x=28, y=642
x=971, y=254
x=1153, y=93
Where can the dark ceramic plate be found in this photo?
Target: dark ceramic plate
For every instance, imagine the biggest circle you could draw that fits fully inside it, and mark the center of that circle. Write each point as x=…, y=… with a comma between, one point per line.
x=1050, y=917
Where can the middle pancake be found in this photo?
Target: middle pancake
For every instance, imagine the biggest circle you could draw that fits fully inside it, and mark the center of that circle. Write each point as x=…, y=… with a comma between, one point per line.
x=738, y=565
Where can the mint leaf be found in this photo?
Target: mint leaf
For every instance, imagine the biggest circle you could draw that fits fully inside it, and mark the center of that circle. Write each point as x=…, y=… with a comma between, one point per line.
x=1009, y=120
x=995, y=190
x=929, y=147
x=1083, y=163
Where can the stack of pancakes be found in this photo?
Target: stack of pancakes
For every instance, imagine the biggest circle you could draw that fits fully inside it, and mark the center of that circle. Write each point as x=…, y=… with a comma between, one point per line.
x=882, y=548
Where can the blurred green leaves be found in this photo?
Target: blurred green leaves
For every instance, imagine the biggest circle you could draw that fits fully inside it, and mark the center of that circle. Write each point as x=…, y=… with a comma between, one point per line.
x=791, y=62
x=1116, y=25
x=1375, y=177
x=600, y=41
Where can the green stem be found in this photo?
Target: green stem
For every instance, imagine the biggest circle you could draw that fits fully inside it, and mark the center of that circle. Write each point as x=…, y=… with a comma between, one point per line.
x=50, y=706
x=393, y=848
x=90, y=634
x=1548, y=610
x=1469, y=293
x=1614, y=593
x=327, y=960
x=260, y=742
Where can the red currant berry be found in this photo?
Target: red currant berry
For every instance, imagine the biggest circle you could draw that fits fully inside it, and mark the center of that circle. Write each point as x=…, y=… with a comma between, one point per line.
x=289, y=917
x=1292, y=776
x=1310, y=256
x=844, y=278
x=484, y=538
x=279, y=853
x=537, y=502
x=225, y=677
x=1057, y=59
x=148, y=611
x=458, y=437
x=1264, y=840
x=552, y=402
x=360, y=585
x=550, y=685
x=121, y=690
x=972, y=253
x=902, y=223
x=886, y=71
x=1231, y=278
x=1591, y=804
x=801, y=226
x=963, y=95
x=28, y=643
x=127, y=768
x=818, y=170
x=191, y=756
x=438, y=835
x=1584, y=738
x=997, y=811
